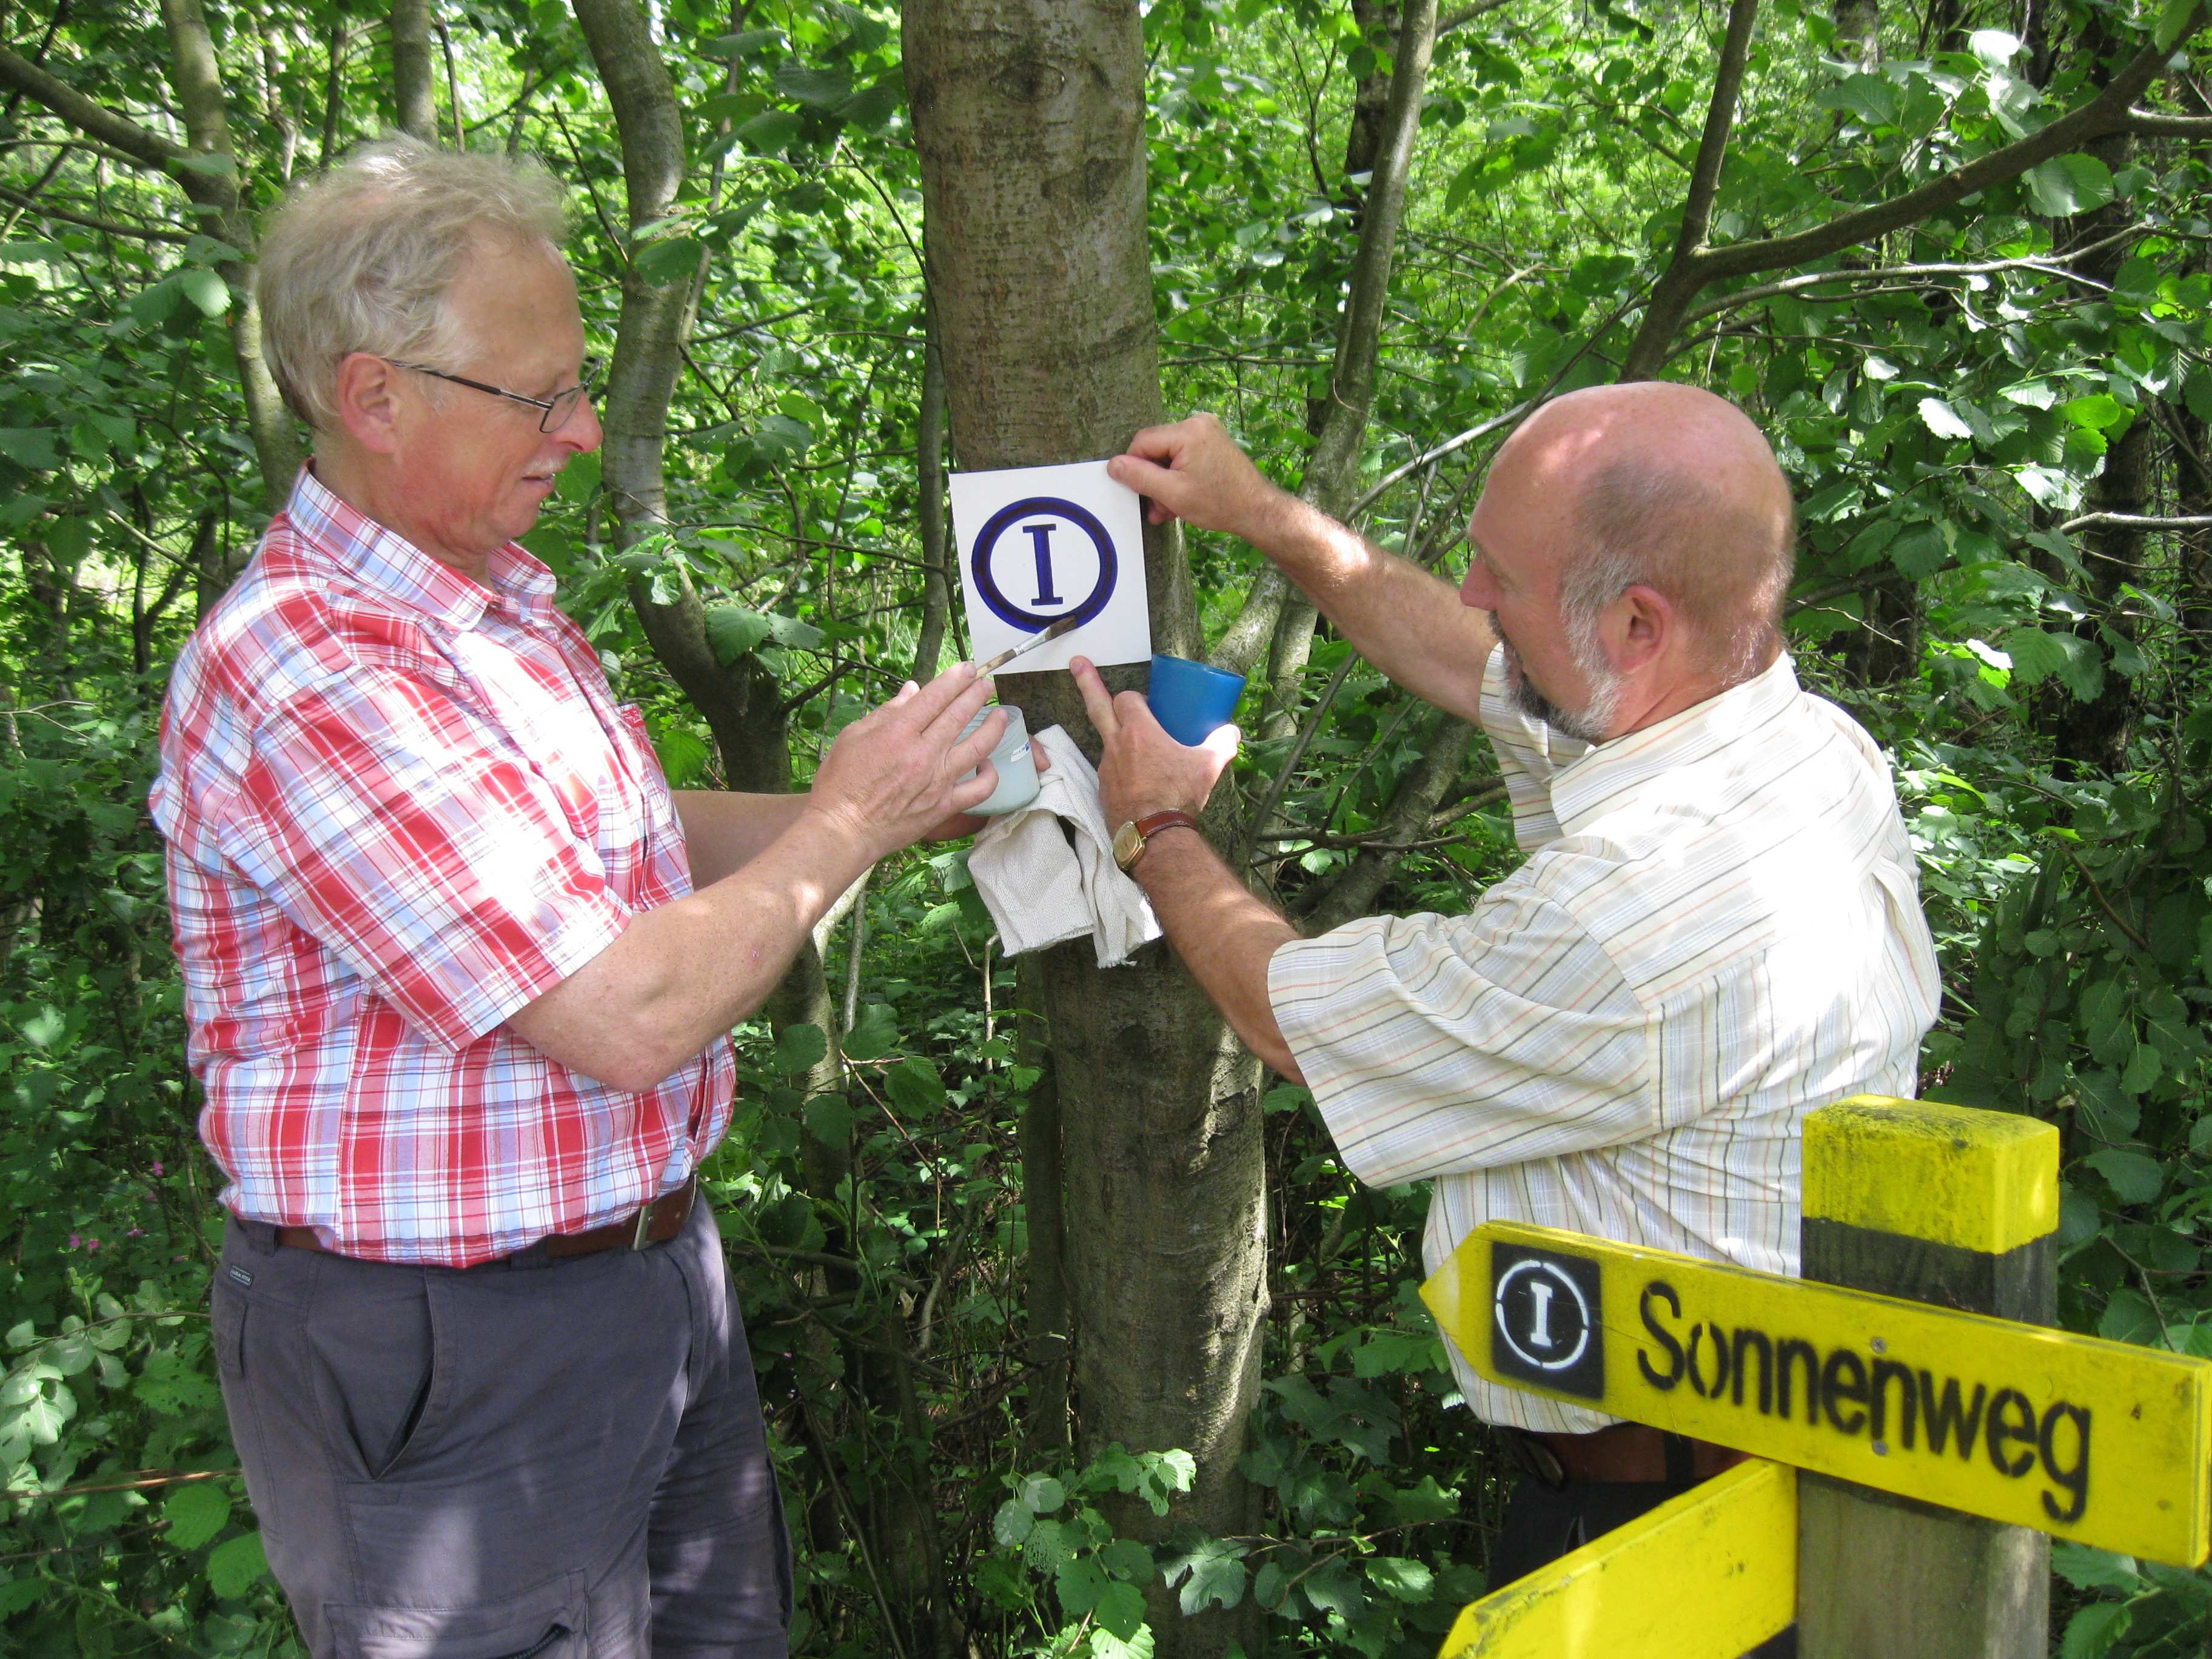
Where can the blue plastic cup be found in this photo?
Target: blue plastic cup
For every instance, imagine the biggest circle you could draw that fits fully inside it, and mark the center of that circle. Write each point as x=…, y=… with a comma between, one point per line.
x=1191, y=701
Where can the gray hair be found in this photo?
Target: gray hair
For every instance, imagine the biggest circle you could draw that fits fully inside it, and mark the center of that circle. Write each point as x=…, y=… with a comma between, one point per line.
x=1725, y=564
x=360, y=259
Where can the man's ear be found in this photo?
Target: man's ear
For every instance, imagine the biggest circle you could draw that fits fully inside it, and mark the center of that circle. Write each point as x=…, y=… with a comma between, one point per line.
x=1639, y=628
x=367, y=391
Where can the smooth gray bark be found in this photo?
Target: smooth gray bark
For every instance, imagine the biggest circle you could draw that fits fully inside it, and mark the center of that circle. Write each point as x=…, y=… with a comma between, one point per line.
x=1028, y=117
x=412, y=96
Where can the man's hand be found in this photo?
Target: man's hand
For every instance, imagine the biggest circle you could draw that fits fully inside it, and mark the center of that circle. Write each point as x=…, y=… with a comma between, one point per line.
x=1194, y=471
x=961, y=824
x=894, y=774
x=1144, y=770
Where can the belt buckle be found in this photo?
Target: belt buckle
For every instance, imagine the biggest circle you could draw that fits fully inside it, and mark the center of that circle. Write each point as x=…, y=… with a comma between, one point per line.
x=637, y=1233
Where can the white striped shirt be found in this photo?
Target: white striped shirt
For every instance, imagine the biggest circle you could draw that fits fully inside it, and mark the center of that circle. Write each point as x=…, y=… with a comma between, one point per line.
x=1718, y=928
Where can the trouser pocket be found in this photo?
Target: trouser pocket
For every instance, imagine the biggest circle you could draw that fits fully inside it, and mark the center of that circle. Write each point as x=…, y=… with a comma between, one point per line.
x=545, y=1622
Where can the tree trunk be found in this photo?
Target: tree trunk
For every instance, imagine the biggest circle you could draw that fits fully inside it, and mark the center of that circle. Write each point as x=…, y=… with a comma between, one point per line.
x=198, y=81
x=1029, y=120
x=412, y=80
x=1274, y=618
x=2091, y=738
x=929, y=507
x=1045, y=1424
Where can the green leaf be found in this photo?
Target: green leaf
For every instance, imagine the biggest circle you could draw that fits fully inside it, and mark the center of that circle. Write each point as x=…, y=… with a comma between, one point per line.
x=196, y=1513
x=2097, y=411
x=235, y=1566
x=2173, y=18
x=675, y=259
x=2037, y=654
x=2067, y=185
x=1212, y=1573
x=817, y=88
x=1920, y=550
x=829, y=1119
x=1042, y=1494
x=1011, y=1524
x=743, y=44
x=874, y=1033
x=32, y=447
x=1407, y=1579
x=769, y=132
x=206, y=289
x=781, y=435
x=733, y=631
x=682, y=755
x=1120, y=1610
x=2096, y=1630
x=1939, y=418
x=800, y=1048
x=2134, y=1176
x=207, y=163
x=2088, y=1568
x=1104, y=1644
x=873, y=104
x=913, y=1085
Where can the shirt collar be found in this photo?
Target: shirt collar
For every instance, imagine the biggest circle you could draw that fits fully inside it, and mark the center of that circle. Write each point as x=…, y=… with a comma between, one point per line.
x=388, y=562
x=1588, y=787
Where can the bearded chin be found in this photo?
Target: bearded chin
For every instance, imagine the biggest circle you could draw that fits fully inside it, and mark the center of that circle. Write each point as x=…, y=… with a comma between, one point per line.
x=1587, y=724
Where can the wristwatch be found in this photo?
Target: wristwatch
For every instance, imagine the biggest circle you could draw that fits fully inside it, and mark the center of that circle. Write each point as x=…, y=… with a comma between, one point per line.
x=1130, y=839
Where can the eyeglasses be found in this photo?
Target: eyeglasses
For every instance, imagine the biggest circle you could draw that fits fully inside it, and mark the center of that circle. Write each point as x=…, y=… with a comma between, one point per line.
x=557, y=409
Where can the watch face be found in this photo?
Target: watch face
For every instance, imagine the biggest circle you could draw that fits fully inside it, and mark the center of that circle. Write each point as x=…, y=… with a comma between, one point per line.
x=1127, y=843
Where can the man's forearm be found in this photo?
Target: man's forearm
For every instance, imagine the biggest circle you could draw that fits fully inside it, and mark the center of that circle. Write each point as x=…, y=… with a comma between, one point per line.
x=1224, y=936
x=1403, y=619
x=684, y=973
x=725, y=830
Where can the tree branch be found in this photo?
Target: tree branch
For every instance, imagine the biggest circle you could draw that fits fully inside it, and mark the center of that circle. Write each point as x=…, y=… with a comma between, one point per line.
x=88, y=116
x=2104, y=113
x=2054, y=265
x=1465, y=14
x=113, y=228
x=2156, y=123
x=1695, y=267
x=1720, y=121
x=2133, y=521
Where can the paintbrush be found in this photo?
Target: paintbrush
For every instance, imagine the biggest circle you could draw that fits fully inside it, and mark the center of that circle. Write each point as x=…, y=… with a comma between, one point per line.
x=1030, y=644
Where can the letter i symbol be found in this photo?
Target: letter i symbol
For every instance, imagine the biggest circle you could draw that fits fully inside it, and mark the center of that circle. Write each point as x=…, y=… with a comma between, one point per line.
x=1041, y=541
x=1539, y=1333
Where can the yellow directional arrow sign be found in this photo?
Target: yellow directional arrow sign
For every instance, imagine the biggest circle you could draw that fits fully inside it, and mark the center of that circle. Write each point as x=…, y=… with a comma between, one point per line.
x=2091, y=1440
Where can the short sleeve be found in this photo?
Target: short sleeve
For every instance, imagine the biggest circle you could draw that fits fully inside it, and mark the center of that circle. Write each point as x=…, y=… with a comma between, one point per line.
x=396, y=827
x=1437, y=1045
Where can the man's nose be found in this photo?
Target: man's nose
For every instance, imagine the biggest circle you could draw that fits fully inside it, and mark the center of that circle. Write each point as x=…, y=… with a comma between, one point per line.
x=581, y=431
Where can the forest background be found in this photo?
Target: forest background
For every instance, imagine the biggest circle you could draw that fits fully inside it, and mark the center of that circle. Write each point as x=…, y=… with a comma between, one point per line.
x=1074, y=1337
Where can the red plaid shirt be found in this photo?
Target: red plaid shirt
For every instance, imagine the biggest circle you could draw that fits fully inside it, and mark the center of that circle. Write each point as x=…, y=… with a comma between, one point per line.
x=400, y=805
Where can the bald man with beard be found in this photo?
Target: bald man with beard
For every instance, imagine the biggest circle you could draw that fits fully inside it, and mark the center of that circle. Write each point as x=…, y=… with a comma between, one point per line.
x=1718, y=926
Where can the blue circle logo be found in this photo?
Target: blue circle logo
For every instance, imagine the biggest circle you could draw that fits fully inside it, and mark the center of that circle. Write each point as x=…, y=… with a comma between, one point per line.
x=1040, y=518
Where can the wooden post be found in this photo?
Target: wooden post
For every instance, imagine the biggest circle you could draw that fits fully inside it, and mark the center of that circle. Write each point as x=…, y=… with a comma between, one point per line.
x=1943, y=1205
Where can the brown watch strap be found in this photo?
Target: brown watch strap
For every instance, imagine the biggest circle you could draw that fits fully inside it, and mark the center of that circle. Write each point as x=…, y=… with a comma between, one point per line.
x=1152, y=824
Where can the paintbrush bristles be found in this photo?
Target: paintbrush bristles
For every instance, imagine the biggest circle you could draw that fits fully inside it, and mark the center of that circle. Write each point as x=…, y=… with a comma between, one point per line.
x=1030, y=644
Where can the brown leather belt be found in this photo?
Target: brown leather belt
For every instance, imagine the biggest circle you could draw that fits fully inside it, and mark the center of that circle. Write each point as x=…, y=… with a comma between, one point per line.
x=1630, y=1452
x=652, y=1224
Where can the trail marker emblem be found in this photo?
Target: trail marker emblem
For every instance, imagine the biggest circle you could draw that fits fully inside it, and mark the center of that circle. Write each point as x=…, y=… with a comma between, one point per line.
x=1544, y=1320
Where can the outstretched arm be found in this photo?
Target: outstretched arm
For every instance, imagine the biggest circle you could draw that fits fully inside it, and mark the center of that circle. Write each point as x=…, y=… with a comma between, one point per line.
x=1407, y=622
x=1223, y=934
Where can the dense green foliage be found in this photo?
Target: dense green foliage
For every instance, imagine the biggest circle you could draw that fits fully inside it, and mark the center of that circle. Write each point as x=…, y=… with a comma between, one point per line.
x=1956, y=402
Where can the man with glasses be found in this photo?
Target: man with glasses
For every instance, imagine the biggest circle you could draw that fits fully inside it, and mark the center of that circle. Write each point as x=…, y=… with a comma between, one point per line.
x=460, y=970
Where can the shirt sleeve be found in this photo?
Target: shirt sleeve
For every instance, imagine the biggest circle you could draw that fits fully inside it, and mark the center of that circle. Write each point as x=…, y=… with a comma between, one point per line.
x=395, y=826
x=1437, y=1045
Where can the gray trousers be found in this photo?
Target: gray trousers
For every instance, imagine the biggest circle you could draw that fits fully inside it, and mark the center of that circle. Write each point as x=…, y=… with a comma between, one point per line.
x=559, y=1460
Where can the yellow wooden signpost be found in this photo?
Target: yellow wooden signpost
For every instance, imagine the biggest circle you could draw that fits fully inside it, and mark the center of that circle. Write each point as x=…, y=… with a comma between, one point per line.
x=1967, y=1414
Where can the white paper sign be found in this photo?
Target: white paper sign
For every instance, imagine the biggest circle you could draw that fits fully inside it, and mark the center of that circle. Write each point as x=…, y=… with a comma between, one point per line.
x=1041, y=543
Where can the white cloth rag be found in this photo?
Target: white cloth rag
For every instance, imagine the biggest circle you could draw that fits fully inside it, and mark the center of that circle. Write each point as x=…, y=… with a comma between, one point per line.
x=1042, y=889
